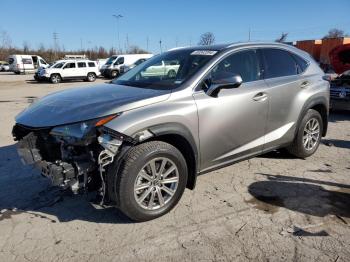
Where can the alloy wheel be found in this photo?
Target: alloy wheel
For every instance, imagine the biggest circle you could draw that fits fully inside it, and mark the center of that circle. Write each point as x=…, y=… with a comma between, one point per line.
x=311, y=134
x=156, y=183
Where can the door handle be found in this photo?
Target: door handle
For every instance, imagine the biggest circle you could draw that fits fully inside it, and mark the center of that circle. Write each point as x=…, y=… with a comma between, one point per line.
x=304, y=84
x=260, y=97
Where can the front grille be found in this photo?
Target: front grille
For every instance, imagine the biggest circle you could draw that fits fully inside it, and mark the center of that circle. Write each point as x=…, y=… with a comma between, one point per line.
x=336, y=91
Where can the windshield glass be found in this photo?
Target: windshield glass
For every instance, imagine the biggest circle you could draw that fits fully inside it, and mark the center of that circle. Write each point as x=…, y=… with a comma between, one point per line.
x=166, y=71
x=110, y=60
x=58, y=65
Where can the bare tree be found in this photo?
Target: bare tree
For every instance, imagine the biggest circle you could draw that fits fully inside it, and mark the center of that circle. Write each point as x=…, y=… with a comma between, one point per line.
x=6, y=41
x=207, y=38
x=282, y=38
x=134, y=49
x=26, y=47
x=334, y=33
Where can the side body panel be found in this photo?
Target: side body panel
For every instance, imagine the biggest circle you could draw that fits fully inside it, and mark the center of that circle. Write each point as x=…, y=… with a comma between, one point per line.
x=232, y=125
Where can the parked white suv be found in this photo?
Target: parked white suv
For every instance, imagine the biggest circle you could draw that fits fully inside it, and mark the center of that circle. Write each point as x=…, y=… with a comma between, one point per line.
x=71, y=69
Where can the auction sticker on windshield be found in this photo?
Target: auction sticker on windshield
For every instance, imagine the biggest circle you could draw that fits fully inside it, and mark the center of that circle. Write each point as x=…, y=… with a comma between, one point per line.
x=204, y=52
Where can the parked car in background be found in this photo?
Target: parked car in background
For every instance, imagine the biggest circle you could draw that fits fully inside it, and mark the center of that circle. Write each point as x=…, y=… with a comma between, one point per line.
x=163, y=68
x=38, y=75
x=101, y=62
x=26, y=63
x=111, y=69
x=70, y=70
x=340, y=92
x=125, y=68
x=144, y=137
x=4, y=66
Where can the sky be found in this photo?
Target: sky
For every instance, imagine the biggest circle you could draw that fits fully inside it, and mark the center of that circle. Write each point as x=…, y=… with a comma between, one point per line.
x=90, y=23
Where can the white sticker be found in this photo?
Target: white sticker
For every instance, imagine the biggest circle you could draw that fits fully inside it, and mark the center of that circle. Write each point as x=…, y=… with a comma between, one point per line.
x=204, y=52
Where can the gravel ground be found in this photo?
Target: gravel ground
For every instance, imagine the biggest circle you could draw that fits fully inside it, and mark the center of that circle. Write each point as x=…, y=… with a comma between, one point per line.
x=269, y=208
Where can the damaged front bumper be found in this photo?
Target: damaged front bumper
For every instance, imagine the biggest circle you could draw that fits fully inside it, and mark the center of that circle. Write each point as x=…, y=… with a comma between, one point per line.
x=68, y=164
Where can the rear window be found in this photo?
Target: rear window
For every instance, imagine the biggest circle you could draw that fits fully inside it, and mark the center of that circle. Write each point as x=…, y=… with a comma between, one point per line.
x=278, y=63
x=81, y=64
x=301, y=63
x=92, y=64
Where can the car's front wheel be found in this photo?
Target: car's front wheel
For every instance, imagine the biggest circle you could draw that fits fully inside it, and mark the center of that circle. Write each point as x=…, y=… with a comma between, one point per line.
x=151, y=180
x=114, y=74
x=308, y=136
x=55, y=78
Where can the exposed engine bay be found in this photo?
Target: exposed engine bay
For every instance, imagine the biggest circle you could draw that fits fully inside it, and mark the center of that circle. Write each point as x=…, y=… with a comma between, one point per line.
x=73, y=156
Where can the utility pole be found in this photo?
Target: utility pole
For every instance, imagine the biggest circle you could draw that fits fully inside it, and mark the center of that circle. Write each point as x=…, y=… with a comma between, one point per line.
x=117, y=17
x=55, y=42
x=127, y=42
x=147, y=44
x=249, y=35
x=160, y=46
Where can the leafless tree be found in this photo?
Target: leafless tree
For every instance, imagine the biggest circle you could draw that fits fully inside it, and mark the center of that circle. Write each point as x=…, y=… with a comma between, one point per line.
x=334, y=33
x=207, y=38
x=134, y=49
x=282, y=38
x=26, y=47
x=6, y=41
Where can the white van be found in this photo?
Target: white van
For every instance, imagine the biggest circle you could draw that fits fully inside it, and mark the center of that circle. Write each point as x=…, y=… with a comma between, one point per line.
x=26, y=63
x=111, y=68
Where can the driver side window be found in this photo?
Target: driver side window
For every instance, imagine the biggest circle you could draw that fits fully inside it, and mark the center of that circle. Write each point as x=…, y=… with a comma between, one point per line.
x=243, y=63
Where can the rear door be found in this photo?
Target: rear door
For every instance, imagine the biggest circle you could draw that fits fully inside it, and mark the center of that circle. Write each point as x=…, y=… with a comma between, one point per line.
x=284, y=85
x=82, y=69
x=232, y=125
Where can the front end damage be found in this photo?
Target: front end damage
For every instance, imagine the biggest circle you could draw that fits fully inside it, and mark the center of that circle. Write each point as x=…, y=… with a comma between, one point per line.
x=70, y=158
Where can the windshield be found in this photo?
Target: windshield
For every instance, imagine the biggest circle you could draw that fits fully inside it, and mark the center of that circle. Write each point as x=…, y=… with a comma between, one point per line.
x=166, y=71
x=110, y=60
x=58, y=65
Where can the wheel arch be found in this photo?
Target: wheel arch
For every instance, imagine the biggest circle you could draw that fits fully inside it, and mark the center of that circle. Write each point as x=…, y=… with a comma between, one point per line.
x=180, y=137
x=321, y=105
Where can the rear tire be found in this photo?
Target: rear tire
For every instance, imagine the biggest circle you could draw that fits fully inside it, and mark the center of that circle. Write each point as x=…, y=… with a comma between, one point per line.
x=91, y=77
x=55, y=78
x=159, y=194
x=308, y=136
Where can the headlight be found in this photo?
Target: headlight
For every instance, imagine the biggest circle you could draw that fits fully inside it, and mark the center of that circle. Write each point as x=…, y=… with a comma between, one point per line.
x=79, y=130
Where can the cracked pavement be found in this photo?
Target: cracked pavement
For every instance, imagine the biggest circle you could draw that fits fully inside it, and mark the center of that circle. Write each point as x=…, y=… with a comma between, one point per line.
x=269, y=208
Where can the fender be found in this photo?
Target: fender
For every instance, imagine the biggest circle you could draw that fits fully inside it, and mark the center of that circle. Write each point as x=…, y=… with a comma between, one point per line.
x=310, y=103
x=184, y=132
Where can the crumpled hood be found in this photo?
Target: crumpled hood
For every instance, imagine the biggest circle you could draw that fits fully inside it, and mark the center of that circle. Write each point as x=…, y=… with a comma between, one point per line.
x=83, y=103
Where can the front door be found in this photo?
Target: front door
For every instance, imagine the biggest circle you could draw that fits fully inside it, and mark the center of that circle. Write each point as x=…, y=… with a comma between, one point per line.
x=69, y=70
x=232, y=125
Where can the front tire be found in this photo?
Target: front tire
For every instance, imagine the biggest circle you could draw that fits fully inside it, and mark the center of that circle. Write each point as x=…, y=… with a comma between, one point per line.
x=55, y=78
x=114, y=74
x=308, y=136
x=151, y=180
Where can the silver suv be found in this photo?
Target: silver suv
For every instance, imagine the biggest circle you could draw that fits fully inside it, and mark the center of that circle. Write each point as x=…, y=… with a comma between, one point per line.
x=143, y=138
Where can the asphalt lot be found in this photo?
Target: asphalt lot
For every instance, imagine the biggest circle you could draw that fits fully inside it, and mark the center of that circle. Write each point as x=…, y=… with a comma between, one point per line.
x=269, y=208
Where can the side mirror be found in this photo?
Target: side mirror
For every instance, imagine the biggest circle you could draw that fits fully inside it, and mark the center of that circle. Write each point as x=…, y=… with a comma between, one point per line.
x=225, y=83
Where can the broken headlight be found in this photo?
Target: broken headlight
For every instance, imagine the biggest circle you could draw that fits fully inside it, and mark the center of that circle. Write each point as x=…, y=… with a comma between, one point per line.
x=78, y=131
